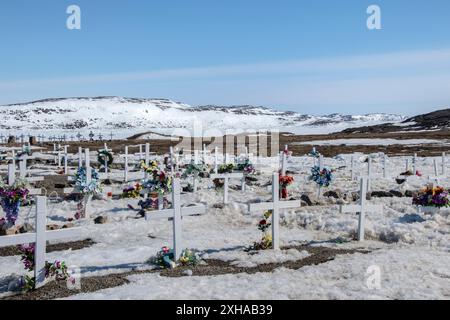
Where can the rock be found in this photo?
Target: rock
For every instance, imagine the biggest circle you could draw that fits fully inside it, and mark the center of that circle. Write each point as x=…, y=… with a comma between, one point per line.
x=396, y=193
x=26, y=227
x=53, y=227
x=381, y=194
x=332, y=194
x=409, y=193
x=218, y=206
x=100, y=220
x=306, y=199
x=60, y=185
x=188, y=272
x=11, y=140
x=107, y=182
x=251, y=179
x=400, y=181
x=188, y=188
x=9, y=231
x=68, y=225
x=235, y=187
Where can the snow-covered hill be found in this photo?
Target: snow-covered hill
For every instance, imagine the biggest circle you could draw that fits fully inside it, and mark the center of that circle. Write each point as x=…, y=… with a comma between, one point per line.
x=128, y=116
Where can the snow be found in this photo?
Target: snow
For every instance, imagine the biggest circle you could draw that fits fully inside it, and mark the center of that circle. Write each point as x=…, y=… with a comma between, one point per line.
x=125, y=117
x=370, y=142
x=412, y=250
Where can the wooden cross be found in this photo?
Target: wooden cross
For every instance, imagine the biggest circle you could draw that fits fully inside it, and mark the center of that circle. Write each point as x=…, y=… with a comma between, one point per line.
x=283, y=164
x=275, y=206
x=88, y=198
x=443, y=163
x=39, y=238
x=414, y=163
x=361, y=208
x=12, y=179
x=385, y=159
x=176, y=213
x=226, y=177
x=352, y=168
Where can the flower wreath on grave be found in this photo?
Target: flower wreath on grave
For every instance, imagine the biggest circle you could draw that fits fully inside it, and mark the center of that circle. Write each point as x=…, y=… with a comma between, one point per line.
x=246, y=166
x=152, y=166
x=226, y=168
x=322, y=177
x=284, y=182
x=104, y=156
x=314, y=153
x=24, y=151
x=11, y=197
x=193, y=168
x=132, y=191
x=56, y=270
x=94, y=187
x=165, y=257
x=158, y=181
x=432, y=197
x=266, y=240
x=85, y=188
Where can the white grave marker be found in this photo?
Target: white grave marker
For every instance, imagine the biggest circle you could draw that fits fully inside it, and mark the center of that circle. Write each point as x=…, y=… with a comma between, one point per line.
x=361, y=209
x=176, y=213
x=39, y=238
x=275, y=206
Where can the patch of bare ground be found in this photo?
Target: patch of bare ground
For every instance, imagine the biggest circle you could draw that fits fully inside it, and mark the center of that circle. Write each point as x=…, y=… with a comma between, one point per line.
x=74, y=245
x=54, y=290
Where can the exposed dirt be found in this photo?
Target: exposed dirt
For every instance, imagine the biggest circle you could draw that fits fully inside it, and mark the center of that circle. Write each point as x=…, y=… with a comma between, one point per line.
x=54, y=290
x=162, y=146
x=74, y=245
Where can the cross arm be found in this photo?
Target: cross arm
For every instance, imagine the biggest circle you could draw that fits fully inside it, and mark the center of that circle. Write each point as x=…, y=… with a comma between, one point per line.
x=354, y=208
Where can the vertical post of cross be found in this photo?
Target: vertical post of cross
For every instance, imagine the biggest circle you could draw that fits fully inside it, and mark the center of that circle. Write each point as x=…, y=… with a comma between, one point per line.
x=125, y=170
x=11, y=174
x=176, y=200
x=352, y=168
x=216, y=164
x=363, y=200
x=39, y=253
x=443, y=163
x=275, y=211
x=80, y=157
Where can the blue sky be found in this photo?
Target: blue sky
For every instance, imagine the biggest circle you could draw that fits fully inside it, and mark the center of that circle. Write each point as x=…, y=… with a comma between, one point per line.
x=313, y=57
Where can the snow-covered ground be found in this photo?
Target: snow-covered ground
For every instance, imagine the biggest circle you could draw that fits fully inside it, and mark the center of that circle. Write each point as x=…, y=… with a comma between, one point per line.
x=125, y=117
x=411, y=251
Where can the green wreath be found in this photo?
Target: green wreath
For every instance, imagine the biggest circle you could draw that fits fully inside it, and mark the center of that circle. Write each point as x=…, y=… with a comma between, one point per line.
x=102, y=155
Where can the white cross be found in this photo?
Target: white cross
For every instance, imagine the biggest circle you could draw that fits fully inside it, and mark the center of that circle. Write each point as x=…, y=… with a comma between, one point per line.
x=216, y=160
x=443, y=163
x=361, y=208
x=385, y=160
x=226, y=177
x=12, y=179
x=352, y=168
x=276, y=205
x=176, y=213
x=39, y=237
x=88, y=198
x=414, y=163
x=283, y=164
